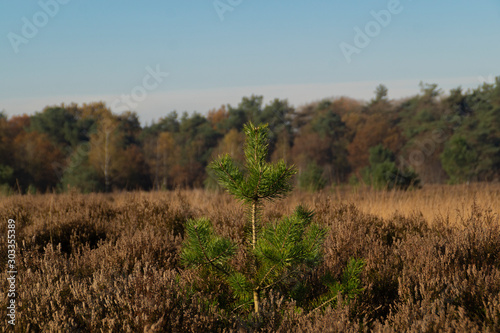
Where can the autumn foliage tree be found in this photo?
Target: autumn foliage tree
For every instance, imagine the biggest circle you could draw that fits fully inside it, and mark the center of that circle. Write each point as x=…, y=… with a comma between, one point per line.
x=376, y=123
x=6, y=164
x=161, y=156
x=319, y=149
x=106, y=153
x=34, y=155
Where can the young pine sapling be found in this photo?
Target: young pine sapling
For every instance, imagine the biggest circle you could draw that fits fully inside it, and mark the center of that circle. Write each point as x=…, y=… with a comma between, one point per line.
x=279, y=252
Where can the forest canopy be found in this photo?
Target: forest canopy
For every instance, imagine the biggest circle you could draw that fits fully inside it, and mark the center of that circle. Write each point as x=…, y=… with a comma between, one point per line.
x=432, y=137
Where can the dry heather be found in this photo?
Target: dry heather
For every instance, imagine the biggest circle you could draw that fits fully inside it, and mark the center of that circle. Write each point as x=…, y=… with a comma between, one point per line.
x=110, y=262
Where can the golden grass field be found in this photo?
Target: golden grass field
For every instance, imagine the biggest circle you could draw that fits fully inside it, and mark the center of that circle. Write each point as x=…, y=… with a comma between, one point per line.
x=432, y=201
x=110, y=262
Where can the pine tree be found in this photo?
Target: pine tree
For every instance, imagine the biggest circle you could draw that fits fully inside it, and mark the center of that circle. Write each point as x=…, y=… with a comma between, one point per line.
x=279, y=251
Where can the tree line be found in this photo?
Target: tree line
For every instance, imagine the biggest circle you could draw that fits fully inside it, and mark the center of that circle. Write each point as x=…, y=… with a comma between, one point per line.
x=431, y=137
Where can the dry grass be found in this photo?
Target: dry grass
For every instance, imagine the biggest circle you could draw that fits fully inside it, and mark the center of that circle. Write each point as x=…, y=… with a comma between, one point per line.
x=432, y=201
x=110, y=262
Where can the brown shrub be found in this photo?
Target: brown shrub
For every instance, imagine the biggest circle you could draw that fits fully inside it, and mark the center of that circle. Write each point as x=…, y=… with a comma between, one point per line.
x=111, y=263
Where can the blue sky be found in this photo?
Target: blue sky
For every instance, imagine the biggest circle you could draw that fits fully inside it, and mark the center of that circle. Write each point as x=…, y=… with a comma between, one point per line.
x=86, y=51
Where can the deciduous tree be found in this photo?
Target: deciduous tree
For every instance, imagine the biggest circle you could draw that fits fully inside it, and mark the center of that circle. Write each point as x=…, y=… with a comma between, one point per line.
x=106, y=153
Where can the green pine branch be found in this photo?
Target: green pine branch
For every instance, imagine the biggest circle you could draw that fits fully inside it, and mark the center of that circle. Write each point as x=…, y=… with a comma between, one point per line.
x=349, y=287
x=203, y=248
x=287, y=245
x=229, y=175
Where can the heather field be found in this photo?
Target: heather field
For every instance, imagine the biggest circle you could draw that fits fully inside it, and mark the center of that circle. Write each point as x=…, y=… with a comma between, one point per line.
x=111, y=262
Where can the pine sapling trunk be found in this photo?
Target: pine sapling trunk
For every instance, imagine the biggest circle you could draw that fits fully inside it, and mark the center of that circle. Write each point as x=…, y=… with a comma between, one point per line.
x=256, y=300
x=254, y=241
x=254, y=222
